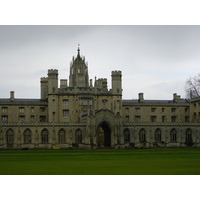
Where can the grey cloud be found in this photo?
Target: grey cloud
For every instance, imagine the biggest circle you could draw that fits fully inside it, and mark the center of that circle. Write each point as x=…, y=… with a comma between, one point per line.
x=143, y=53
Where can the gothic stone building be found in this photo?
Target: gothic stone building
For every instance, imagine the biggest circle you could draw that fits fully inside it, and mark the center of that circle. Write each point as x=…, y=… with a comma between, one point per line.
x=86, y=115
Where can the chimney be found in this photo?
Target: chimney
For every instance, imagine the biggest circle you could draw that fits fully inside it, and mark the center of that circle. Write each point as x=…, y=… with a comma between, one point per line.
x=12, y=95
x=176, y=97
x=141, y=97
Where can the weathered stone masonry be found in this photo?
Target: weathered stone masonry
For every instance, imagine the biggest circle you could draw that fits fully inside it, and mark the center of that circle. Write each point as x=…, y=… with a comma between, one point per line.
x=80, y=113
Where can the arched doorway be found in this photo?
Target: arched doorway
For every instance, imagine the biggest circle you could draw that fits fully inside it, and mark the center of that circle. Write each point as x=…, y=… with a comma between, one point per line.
x=103, y=135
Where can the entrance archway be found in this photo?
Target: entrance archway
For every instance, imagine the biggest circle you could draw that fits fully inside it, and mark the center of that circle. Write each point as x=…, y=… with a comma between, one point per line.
x=103, y=135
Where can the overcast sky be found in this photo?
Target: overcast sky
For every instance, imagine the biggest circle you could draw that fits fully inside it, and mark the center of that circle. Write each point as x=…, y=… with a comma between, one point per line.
x=155, y=60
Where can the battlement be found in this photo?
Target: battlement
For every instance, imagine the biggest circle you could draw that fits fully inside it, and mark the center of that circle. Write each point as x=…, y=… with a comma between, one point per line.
x=116, y=73
x=52, y=71
x=101, y=82
x=44, y=79
x=102, y=79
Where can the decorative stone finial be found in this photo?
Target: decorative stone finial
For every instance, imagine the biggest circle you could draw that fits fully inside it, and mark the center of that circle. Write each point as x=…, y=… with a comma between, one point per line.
x=78, y=49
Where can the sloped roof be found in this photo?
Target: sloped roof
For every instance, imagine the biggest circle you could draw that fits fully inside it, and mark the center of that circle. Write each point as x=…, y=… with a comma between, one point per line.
x=19, y=100
x=136, y=101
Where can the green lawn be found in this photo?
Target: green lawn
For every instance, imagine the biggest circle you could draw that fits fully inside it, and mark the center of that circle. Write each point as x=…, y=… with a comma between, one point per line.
x=100, y=162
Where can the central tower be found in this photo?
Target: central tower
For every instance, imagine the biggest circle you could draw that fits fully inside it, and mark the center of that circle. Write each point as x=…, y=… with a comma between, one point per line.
x=78, y=72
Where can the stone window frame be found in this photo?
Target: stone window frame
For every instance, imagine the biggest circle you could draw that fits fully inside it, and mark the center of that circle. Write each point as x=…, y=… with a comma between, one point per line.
x=42, y=109
x=32, y=109
x=127, y=119
x=126, y=135
x=173, y=135
x=158, y=135
x=173, y=110
x=4, y=109
x=44, y=136
x=65, y=113
x=153, y=118
x=21, y=109
x=187, y=118
x=21, y=118
x=27, y=136
x=137, y=118
x=173, y=119
x=61, y=136
x=10, y=136
x=78, y=136
x=137, y=110
x=4, y=118
x=142, y=135
x=32, y=117
x=163, y=118
x=188, y=135
x=65, y=102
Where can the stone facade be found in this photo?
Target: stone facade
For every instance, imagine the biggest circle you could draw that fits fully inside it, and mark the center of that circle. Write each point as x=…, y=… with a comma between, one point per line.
x=86, y=115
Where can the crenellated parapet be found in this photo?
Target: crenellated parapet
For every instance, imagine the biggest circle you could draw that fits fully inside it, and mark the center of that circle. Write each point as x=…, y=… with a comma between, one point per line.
x=44, y=79
x=102, y=83
x=52, y=73
x=117, y=73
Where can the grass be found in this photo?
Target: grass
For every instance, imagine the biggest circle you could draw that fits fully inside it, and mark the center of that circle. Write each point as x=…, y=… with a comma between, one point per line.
x=101, y=162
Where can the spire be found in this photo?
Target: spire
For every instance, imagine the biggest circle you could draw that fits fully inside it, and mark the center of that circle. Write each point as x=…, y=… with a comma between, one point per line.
x=78, y=50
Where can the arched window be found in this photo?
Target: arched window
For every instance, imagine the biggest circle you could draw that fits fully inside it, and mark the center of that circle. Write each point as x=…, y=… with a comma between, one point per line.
x=158, y=135
x=10, y=136
x=142, y=135
x=188, y=135
x=78, y=136
x=61, y=136
x=27, y=136
x=173, y=135
x=44, y=136
x=126, y=135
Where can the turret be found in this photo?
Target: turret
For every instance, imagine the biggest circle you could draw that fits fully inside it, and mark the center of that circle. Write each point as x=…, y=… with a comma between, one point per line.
x=78, y=72
x=52, y=81
x=116, y=82
x=43, y=87
x=102, y=83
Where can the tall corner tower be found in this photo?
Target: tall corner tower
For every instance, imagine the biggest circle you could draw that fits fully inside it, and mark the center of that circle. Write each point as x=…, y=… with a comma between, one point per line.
x=52, y=81
x=43, y=87
x=78, y=72
x=116, y=82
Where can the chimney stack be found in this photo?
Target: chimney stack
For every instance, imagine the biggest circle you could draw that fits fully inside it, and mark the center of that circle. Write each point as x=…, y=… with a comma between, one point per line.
x=12, y=95
x=176, y=97
x=141, y=97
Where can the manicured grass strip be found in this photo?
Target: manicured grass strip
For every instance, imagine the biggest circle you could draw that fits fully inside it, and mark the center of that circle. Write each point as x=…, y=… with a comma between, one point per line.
x=101, y=162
